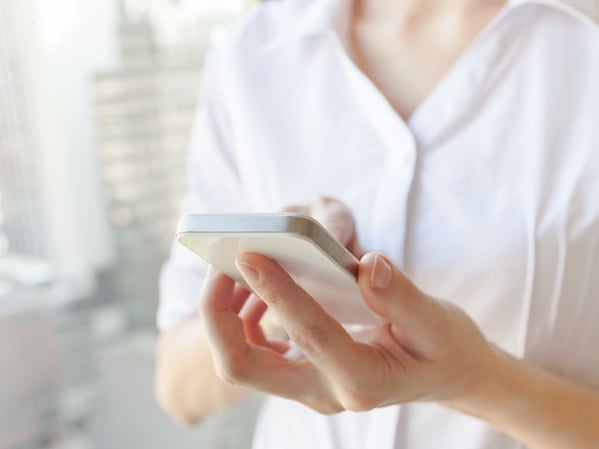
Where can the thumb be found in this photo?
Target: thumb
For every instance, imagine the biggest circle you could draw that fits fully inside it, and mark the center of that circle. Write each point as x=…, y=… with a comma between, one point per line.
x=390, y=294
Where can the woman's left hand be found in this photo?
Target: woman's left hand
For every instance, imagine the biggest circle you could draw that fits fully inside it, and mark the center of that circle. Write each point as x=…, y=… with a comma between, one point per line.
x=427, y=349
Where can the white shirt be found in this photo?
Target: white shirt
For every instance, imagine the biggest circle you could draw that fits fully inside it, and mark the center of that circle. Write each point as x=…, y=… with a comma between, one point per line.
x=488, y=196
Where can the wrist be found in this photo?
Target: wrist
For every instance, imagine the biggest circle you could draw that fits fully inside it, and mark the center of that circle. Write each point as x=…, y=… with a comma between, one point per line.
x=495, y=382
x=533, y=406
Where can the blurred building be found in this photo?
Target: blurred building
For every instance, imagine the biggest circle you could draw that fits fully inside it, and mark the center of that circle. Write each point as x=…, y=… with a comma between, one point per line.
x=21, y=202
x=53, y=233
x=144, y=113
x=56, y=247
x=50, y=199
x=29, y=381
x=48, y=385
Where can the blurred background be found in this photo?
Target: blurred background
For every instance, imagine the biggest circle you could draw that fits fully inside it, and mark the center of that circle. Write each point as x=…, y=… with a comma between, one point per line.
x=96, y=102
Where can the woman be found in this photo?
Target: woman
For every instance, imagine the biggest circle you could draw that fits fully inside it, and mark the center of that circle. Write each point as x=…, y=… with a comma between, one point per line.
x=461, y=138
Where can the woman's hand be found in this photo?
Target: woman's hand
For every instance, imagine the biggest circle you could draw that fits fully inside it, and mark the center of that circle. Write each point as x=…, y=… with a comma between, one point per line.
x=186, y=384
x=427, y=349
x=336, y=218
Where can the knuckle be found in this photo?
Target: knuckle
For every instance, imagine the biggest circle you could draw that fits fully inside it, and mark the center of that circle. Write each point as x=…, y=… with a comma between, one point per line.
x=335, y=217
x=322, y=403
x=294, y=208
x=358, y=403
x=310, y=339
x=323, y=200
x=233, y=371
x=328, y=408
x=339, y=230
x=323, y=208
x=358, y=400
x=277, y=297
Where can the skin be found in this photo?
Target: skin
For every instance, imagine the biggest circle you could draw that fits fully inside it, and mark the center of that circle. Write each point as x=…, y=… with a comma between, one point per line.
x=417, y=42
x=428, y=349
x=186, y=384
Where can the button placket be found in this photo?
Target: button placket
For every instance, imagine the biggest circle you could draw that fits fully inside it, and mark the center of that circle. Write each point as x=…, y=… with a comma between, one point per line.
x=390, y=211
x=389, y=205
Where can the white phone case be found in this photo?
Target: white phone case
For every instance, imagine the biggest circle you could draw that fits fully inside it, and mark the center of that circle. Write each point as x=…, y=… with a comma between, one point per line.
x=303, y=247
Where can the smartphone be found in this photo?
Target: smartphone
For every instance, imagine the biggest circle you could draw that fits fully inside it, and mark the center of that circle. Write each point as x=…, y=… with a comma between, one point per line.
x=303, y=247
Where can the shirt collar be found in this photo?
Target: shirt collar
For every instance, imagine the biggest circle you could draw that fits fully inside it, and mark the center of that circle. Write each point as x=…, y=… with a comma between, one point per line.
x=318, y=19
x=584, y=11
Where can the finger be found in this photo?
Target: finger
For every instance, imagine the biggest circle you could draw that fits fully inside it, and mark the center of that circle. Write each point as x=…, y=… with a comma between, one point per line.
x=296, y=209
x=223, y=326
x=239, y=298
x=321, y=338
x=335, y=217
x=251, y=315
x=254, y=309
x=238, y=362
x=390, y=294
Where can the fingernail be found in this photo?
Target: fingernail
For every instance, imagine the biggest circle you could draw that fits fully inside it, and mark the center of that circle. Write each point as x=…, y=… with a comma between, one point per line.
x=380, y=276
x=248, y=271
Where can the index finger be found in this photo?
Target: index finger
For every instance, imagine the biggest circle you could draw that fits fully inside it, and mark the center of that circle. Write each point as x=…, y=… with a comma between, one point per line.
x=219, y=314
x=246, y=364
x=320, y=337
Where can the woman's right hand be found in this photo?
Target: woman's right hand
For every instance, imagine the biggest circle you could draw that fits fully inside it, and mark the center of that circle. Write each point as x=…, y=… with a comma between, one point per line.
x=186, y=384
x=259, y=327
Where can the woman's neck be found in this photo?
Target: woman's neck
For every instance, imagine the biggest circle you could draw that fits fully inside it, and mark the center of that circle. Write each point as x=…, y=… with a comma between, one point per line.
x=400, y=10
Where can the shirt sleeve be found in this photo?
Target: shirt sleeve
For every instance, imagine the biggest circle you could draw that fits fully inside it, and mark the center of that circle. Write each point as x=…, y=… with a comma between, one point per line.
x=213, y=186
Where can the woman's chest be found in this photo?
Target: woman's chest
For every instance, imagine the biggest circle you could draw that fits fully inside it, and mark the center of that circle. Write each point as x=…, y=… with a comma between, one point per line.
x=467, y=220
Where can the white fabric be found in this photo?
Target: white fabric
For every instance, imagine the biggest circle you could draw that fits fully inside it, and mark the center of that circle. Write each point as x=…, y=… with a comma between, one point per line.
x=488, y=196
